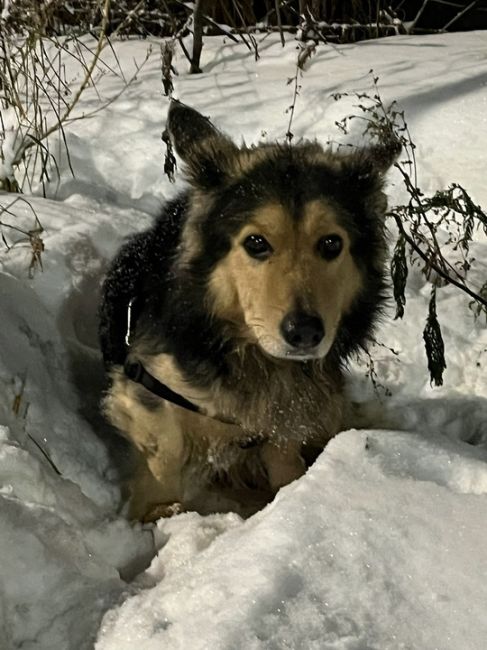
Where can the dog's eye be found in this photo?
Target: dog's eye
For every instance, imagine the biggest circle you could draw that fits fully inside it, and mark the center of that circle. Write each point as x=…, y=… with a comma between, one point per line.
x=330, y=246
x=257, y=247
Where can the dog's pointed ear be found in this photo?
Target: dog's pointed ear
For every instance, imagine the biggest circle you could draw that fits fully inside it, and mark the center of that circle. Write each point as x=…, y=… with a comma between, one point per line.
x=375, y=160
x=365, y=170
x=210, y=155
x=382, y=156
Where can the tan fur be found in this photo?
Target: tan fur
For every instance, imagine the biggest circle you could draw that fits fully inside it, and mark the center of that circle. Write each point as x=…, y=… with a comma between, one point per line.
x=182, y=450
x=258, y=295
x=283, y=463
x=164, y=453
x=241, y=162
x=191, y=240
x=308, y=398
x=186, y=451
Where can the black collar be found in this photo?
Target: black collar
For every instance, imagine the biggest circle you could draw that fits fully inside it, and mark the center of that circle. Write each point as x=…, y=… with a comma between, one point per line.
x=135, y=371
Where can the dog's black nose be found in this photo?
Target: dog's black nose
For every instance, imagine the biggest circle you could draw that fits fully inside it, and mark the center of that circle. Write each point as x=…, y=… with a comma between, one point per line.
x=302, y=331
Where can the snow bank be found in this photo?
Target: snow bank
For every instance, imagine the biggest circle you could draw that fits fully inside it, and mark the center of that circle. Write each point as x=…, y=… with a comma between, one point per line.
x=363, y=552
x=63, y=547
x=382, y=544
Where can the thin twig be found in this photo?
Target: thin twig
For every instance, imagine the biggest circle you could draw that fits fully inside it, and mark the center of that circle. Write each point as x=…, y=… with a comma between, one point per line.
x=279, y=21
x=460, y=14
x=45, y=454
x=87, y=79
x=289, y=133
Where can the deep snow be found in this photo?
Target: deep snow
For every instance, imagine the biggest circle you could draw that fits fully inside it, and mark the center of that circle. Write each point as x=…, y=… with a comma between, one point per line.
x=382, y=544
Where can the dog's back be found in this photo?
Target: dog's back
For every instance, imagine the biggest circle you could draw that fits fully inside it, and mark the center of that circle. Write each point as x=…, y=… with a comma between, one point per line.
x=138, y=277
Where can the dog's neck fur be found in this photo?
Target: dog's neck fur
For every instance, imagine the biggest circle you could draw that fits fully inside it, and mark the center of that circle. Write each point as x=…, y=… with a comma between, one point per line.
x=265, y=396
x=284, y=398
x=213, y=364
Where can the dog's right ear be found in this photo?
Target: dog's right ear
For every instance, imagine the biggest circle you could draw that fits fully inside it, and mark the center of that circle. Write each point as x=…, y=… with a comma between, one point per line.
x=210, y=155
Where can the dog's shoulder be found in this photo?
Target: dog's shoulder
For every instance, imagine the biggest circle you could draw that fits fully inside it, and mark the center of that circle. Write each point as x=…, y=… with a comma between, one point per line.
x=145, y=259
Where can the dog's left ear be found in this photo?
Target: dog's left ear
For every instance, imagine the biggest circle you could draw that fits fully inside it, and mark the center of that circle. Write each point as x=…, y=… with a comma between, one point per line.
x=381, y=157
x=210, y=155
x=375, y=160
x=366, y=169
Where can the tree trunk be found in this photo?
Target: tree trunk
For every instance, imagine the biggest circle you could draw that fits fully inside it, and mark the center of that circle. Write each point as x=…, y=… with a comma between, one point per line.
x=197, y=36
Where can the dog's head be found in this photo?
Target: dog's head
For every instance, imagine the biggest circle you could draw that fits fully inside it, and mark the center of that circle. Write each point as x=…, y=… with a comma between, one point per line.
x=288, y=241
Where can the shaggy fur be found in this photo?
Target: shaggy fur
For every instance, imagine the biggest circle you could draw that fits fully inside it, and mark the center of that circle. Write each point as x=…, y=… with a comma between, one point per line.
x=209, y=318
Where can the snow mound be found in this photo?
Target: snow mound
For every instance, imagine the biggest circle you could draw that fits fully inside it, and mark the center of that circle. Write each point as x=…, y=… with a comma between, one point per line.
x=64, y=548
x=366, y=551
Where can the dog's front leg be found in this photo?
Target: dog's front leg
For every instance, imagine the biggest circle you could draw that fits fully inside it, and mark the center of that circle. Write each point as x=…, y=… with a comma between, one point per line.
x=155, y=430
x=149, y=498
x=283, y=462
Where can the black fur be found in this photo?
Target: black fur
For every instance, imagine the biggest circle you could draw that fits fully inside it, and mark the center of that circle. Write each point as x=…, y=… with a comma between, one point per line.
x=170, y=304
x=288, y=407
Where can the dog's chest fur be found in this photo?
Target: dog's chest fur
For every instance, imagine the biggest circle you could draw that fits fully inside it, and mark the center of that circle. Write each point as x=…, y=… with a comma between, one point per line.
x=276, y=415
x=277, y=401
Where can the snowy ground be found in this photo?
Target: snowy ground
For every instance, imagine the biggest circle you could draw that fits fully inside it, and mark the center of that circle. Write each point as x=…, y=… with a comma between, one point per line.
x=382, y=544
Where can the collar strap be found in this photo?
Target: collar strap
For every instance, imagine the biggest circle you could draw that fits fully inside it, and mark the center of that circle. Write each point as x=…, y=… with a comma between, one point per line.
x=136, y=372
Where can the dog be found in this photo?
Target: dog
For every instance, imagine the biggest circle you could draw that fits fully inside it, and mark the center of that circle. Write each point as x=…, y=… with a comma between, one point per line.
x=227, y=326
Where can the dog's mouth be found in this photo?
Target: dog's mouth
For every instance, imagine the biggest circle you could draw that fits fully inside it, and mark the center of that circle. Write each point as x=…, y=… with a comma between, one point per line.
x=299, y=337
x=279, y=349
x=292, y=355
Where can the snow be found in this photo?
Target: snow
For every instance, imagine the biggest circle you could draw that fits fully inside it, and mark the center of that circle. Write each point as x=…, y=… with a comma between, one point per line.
x=357, y=554
x=382, y=544
x=5, y=11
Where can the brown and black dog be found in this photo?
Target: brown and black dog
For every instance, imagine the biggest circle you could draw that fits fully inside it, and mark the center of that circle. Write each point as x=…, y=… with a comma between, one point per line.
x=225, y=328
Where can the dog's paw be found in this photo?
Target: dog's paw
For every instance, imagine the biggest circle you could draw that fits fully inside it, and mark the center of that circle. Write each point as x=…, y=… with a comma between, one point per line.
x=162, y=510
x=283, y=463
